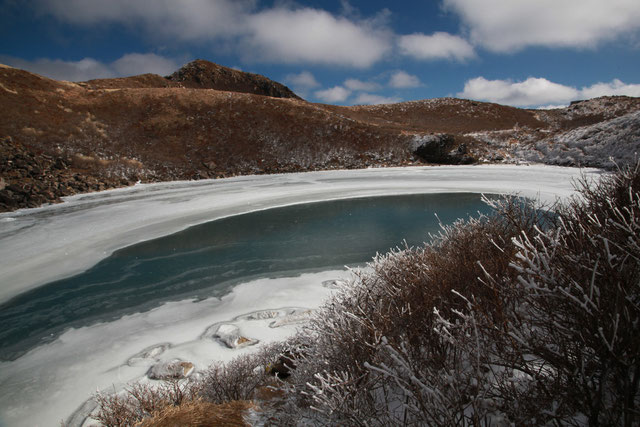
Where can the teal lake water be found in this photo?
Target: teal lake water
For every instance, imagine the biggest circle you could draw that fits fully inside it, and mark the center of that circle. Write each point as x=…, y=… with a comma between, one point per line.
x=209, y=259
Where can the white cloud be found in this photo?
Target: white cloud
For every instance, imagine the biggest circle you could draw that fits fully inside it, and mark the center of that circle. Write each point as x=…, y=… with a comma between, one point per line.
x=371, y=99
x=139, y=63
x=280, y=34
x=182, y=20
x=84, y=69
x=359, y=85
x=511, y=25
x=313, y=36
x=303, y=80
x=615, y=87
x=439, y=45
x=533, y=91
x=540, y=91
x=403, y=80
x=334, y=94
x=89, y=68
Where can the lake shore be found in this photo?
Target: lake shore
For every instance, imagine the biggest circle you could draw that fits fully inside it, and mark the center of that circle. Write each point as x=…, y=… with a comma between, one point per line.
x=43, y=244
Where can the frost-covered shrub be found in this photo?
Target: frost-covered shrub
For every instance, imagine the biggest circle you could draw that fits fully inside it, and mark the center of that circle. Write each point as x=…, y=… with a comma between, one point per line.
x=235, y=381
x=238, y=379
x=385, y=320
x=577, y=315
x=140, y=401
x=521, y=318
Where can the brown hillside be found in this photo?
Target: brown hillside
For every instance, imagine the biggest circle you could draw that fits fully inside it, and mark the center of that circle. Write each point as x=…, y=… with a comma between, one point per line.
x=442, y=115
x=111, y=132
x=133, y=82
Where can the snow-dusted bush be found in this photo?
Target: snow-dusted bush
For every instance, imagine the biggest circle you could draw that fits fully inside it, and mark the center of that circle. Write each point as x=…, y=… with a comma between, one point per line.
x=377, y=354
x=140, y=401
x=521, y=318
x=238, y=379
x=576, y=315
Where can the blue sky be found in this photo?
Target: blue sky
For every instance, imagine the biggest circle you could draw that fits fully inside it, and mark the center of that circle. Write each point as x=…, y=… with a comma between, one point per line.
x=525, y=53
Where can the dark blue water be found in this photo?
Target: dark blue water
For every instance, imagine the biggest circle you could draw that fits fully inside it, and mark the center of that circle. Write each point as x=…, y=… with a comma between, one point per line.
x=208, y=259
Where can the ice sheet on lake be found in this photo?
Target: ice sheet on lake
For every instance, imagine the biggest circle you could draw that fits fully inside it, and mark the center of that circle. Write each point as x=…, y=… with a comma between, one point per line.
x=40, y=245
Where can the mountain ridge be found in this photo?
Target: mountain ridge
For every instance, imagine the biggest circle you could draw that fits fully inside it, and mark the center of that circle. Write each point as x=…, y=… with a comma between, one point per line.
x=199, y=74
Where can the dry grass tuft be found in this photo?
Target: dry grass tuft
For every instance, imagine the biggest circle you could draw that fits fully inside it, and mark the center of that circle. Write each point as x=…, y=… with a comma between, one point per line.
x=201, y=414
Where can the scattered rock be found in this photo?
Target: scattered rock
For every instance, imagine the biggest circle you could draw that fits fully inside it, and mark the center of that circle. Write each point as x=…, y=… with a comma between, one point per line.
x=148, y=356
x=171, y=369
x=295, y=317
x=229, y=335
x=334, y=284
x=30, y=179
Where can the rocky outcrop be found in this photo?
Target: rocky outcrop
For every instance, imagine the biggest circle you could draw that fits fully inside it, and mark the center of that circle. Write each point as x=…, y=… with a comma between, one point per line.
x=442, y=149
x=201, y=74
x=198, y=74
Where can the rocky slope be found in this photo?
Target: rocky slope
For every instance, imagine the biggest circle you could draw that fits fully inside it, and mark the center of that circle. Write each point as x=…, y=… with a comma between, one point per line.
x=200, y=74
x=207, y=121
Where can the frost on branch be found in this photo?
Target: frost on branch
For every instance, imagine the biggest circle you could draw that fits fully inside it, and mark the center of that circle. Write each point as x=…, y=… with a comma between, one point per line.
x=579, y=313
x=526, y=317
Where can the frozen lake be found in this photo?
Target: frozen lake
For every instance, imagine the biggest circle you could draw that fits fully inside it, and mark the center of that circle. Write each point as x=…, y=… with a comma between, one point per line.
x=207, y=260
x=82, y=301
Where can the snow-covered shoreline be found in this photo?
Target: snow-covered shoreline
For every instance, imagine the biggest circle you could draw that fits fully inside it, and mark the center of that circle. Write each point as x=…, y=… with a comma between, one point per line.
x=50, y=383
x=43, y=244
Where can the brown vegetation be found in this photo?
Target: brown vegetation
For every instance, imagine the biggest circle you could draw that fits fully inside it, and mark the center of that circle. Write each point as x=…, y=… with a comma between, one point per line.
x=201, y=414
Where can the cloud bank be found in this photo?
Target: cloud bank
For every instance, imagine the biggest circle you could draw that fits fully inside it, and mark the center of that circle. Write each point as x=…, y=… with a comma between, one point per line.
x=534, y=92
x=313, y=36
x=403, y=80
x=89, y=68
x=281, y=34
x=371, y=99
x=439, y=45
x=359, y=85
x=333, y=95
x=512, y=25
x=302, y=80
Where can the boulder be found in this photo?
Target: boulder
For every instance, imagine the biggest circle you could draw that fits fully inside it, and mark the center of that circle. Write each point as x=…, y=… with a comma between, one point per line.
x=173, y=369
x=230, y=336
x=441, y=149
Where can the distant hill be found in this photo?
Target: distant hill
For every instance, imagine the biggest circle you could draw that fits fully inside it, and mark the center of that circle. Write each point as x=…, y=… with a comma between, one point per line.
x=206, y=121
x=200, y=74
